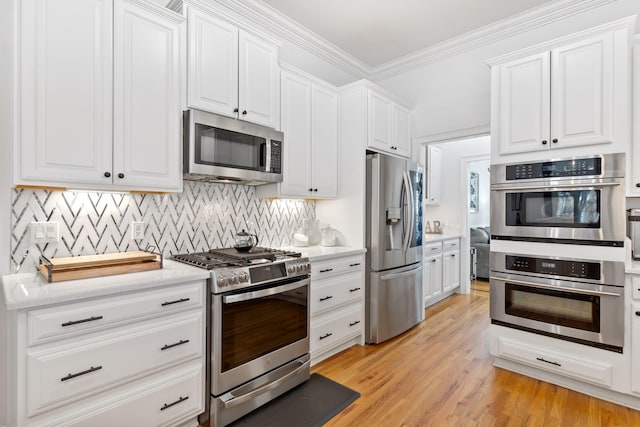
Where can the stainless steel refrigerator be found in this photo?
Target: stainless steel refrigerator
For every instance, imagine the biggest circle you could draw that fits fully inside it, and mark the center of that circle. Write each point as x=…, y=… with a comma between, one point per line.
x=394, y=299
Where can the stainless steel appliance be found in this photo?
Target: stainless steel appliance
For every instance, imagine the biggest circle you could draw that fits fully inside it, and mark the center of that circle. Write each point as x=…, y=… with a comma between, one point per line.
x=633, y=232
x=221, y=149
x=571, y=299
x=394, y=301
x=579, y=200
x=259, y=327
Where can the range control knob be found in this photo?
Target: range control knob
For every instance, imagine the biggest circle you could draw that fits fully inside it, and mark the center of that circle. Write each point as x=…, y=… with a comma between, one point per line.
x=221, y=280
x=233, y=279
x=243, y=277
x=299, y=268
x=291, y=268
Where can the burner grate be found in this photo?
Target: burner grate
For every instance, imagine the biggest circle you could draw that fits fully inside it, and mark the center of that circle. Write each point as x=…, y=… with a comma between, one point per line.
x=230, y=257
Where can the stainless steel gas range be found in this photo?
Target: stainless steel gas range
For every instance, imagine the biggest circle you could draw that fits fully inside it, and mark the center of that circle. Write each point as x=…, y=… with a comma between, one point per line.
x=258, y=319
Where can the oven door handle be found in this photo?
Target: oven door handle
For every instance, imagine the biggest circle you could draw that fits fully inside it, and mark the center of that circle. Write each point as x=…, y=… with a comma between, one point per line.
x=551, y=187
x=246, y=296
x=238, y=400
x=561, y=288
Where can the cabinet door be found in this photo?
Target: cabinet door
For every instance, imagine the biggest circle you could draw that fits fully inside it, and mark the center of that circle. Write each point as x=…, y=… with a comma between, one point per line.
x=65, y=62
x=324, y=154
x=213, y=64
x=379, y=122
x=524, y=104
x=582, y=92
x=634, y=159
x=259, y=78
x=635, y=347
x=296, y=126
x=432, y=278
x=402, y=131
x=434, y=160
x=451, y=270
x=147, y=117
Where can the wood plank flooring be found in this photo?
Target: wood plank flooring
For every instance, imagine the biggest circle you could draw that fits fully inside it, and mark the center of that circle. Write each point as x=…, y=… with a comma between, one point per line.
x=440, y=373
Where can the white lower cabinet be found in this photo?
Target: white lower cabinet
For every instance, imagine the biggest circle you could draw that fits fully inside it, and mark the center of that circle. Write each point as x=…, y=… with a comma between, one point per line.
x=337, y=305
x=441, y=269
x=100, y=362
x=635, y=339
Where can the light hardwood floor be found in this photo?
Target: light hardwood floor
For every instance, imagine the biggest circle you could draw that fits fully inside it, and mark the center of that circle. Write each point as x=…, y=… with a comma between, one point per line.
x=440, y=373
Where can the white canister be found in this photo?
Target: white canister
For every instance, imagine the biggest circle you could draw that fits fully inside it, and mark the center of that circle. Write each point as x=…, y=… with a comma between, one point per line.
x=328, y=236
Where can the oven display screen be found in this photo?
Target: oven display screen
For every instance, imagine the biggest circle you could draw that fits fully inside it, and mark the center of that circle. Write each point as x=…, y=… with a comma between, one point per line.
x=566, y=268
x=555, y=169
x=267, y=272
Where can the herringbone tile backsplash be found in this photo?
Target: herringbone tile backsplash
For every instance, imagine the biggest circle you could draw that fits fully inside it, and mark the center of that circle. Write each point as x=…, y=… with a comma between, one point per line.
x=203, y=216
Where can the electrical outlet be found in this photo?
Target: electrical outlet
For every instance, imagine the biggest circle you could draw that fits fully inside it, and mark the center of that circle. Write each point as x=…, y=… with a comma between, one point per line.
x=45, y=232
x=137, y=230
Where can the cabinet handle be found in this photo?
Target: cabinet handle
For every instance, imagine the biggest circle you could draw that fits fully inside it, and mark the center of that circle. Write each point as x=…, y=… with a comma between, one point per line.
x=452, y=255
x=547, y=361
x=107, y=174
x=326, y=270
x=168, y=346
x=326, y=298
x=311, y=189
x=637, y=313
x=354, y=265
x=555, y=140
x=120, y=175
x=544, y=142
x=434, y=260
x=88, y=371
x=637, y=184
x=235, y=110
x=174, y=302
x=244, y=112
x=169, y=405
x=327, y=335
x=354, y=290
x=354, y=323
x=75, y=322
x=315, y=190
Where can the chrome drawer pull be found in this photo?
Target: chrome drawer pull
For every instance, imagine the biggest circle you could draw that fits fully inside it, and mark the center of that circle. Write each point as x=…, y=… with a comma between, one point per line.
x=167, y=346
x=354, y=290
x=327, y=335
x=547, y=361
x=326, y=298
x=75, y=322
x=169, y=405
x=354, y=265
x=326, y=270
x=88, y=371
x=175, y=302
x=354, y=323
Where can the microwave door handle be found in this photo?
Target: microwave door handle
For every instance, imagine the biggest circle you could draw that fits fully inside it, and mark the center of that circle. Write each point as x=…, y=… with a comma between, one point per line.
x=552, y=187
x=561, y=288
x=246, y=296
x=265, y=155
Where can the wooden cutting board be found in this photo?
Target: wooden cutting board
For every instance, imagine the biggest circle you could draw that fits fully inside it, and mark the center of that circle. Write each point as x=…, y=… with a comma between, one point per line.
x=82, y=267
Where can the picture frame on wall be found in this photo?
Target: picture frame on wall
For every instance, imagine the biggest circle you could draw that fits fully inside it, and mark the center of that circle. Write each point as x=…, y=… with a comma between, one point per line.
x=474, y=180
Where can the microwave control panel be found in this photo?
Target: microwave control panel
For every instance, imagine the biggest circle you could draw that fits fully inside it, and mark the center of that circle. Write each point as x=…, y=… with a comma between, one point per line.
x=554, y=267
x=555, y=169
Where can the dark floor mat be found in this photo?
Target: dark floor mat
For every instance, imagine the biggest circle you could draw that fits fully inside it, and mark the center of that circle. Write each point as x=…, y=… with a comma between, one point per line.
x=310, y=404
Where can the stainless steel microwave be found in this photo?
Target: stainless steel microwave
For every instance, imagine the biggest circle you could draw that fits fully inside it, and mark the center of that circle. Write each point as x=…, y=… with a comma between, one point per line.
x=221, y=149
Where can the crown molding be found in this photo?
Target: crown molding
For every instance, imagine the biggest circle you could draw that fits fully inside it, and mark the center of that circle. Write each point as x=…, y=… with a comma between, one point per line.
x=472, y=132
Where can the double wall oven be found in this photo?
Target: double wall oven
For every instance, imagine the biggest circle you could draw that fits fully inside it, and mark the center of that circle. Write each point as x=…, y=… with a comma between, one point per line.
x=535, y=287
x=258, y=328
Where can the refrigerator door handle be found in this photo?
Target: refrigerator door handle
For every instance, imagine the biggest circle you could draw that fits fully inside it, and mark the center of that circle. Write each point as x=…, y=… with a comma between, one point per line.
x=408, y=211
x=403, y=274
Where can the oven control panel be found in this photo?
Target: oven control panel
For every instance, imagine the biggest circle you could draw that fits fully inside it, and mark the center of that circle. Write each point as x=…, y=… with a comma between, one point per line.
x=236, y=278
x=555, y=169
x=554, y=267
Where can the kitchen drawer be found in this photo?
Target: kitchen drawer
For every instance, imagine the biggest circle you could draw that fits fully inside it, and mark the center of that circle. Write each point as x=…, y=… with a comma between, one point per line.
x=335, y=291
x=597, y=372
x=451, y=245
x=431, y=249
x=337, y=265
x=64, y=321
x=172, y=399
x=330, y=329
x=58, y=375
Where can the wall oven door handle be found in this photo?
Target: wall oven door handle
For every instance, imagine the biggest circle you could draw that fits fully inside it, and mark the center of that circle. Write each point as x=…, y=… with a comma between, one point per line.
x=246, y=296
x=238, y=400
x=403, y=274
x=560, y=288
x=551, y=187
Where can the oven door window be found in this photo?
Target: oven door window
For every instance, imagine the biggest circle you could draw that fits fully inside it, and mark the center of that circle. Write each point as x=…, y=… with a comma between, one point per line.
x=255, y=327
x=569, y=309
x=221, y=147
x=564, y=209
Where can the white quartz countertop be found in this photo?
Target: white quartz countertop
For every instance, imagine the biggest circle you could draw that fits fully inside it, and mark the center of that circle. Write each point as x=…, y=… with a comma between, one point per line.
x=28, y=290
x=430, y=237
x=319, y=253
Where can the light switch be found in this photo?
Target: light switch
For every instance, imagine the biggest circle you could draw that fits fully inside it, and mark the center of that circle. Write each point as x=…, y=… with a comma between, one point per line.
x=45, y=232
x=137, y=230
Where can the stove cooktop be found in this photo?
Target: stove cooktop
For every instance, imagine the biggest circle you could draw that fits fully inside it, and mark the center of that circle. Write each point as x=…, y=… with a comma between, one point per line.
x=230, y=257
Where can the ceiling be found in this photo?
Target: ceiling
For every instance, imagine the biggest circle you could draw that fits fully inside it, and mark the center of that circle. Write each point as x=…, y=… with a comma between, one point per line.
x=379, y=31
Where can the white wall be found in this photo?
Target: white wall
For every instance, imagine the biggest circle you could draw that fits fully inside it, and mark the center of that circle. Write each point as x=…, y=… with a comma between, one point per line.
x=454, y=94
x=481, y=217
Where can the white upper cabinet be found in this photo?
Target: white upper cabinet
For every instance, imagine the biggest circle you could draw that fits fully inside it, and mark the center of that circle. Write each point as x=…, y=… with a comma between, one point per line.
x=573, y=94
x=310, y=127
x=231, y=72
x=634, y=159
x=99, y=95
x=389, y=126
x=434, y=172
